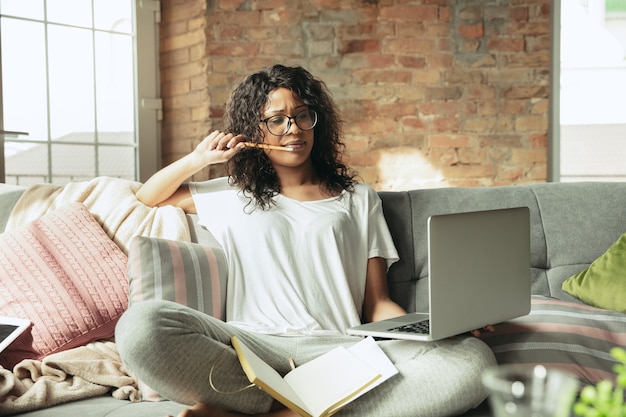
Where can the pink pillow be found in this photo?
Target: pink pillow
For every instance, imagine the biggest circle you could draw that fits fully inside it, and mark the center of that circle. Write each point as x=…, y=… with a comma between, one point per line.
x=64, y=274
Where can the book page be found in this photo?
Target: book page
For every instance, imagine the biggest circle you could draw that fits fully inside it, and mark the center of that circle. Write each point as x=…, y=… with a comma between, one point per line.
x=266, y=378
x=331, y=380
x=325, y=384
x=369, y=352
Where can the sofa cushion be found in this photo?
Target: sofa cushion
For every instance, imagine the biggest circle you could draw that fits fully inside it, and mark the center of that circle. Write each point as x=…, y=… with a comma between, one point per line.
x=603, y=283
x=64, y=274
x=571, y=336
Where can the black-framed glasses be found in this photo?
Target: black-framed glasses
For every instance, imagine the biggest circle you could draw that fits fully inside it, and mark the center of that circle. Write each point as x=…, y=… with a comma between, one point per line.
x=280, y=124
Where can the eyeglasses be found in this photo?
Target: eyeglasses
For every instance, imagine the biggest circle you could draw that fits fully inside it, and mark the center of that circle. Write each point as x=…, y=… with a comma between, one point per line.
x=280, y=124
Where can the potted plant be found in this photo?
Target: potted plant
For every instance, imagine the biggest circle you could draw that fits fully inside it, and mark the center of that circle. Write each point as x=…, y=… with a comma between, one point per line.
x=605, y=399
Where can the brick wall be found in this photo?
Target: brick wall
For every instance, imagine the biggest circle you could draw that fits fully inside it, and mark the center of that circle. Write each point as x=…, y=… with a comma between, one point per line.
x=433, y=92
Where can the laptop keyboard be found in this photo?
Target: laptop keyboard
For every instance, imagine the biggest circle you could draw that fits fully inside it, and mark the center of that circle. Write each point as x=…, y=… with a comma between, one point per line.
x=420, y=327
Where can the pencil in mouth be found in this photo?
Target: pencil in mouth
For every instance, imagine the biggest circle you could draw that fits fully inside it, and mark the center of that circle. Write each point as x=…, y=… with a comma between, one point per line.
x=267, y=146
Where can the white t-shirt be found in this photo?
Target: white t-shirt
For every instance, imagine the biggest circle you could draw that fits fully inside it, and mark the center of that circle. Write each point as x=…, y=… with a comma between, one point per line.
x=299, y=267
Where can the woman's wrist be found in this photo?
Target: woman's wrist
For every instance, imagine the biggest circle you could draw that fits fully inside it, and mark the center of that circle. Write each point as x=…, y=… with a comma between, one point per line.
x=194, y=162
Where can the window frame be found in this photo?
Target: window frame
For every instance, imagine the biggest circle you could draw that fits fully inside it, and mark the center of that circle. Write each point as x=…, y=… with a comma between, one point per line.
x=559, y=149
x=554, y=122
x=147, y=102
x=148, y=108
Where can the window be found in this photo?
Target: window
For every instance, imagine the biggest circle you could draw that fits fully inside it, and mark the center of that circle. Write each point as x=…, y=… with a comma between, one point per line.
x=589, y=95
x=72, y=106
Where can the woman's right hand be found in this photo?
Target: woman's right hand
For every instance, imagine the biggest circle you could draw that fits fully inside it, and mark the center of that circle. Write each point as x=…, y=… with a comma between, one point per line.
x=218, y=147
x=164, y=187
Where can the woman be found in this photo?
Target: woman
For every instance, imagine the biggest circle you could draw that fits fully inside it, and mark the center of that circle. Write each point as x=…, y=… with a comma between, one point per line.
x=308, y=250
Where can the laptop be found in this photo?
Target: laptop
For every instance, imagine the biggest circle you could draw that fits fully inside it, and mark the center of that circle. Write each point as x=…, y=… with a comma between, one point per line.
x=478, y=272
x=10, y=329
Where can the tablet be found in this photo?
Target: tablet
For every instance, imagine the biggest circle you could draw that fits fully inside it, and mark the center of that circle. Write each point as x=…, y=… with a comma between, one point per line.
x=10, y=329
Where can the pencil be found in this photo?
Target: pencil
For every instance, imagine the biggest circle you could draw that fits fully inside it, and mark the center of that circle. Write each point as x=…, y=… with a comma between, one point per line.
x=266, y=146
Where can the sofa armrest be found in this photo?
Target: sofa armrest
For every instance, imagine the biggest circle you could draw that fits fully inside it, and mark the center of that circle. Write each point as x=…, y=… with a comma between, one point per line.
x=9, y=194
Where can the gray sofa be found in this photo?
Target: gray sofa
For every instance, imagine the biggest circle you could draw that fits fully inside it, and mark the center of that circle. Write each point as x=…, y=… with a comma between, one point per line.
x=571, y=225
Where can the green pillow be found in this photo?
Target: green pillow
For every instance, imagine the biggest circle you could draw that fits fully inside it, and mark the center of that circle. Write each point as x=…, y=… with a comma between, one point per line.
x=603, y=283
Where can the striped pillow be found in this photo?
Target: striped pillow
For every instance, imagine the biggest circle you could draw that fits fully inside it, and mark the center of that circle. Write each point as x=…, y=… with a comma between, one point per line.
x=188, y=273
x=574, y=337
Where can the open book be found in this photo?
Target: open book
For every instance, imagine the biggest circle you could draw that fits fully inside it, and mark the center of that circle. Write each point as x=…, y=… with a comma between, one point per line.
x=324, y=385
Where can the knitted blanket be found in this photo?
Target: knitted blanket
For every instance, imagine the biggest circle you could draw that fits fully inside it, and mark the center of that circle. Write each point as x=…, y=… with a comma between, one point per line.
x=96, y=368
x=83, y=372
x=111, y=201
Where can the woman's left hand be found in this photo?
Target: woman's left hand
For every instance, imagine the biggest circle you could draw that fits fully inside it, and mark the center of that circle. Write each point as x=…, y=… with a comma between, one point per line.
x=478, y=332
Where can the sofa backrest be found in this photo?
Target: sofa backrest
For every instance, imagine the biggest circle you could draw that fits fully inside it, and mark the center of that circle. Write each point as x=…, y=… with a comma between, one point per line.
x=571, y=225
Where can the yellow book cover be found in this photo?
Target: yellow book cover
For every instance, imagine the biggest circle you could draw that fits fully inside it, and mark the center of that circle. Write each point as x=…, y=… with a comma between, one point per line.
x=321, y=387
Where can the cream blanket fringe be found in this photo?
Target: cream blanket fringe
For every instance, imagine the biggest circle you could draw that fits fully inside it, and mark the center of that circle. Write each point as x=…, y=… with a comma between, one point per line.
x=83, y=372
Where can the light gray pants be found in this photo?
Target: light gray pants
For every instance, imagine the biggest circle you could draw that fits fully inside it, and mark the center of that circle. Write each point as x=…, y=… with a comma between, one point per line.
x=173, y=349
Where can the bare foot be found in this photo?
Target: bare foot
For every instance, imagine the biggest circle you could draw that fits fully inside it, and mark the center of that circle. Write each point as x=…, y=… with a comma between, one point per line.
x=204, y=410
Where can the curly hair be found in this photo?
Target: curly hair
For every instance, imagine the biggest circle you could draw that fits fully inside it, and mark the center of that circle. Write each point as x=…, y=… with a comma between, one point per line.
x=250, y=169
